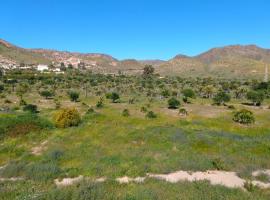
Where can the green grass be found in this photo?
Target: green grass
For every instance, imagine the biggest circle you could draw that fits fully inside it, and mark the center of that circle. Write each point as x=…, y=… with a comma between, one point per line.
x=107, y=144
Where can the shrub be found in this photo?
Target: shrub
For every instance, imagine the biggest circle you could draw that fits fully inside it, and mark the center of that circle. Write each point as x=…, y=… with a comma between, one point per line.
x=221, y=98
x=143, y=109
x=2, y=88
x=244, y=117
x=73, y=95
x=67, y=117
x=100, y=103
x=125, y=113
x=22, y=124
x=173, y=103
x=256, y=97
x=30, y=108
x=113, y=96
x=22, y=102
x=189, y=93
x=148, y=71
x=90, y=110
x=183, y=111
x=218, y=164
x=43, y=171
x=46, y=93
x=8, y=101
x=231, y=107
x=150, y=115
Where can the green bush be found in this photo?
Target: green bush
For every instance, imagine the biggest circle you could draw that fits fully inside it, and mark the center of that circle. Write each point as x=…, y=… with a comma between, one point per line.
x=73, y=95
x=221, y=98
x=150, y=115
x=244, y=117
x=100, y=103
x=173, y=103
x=256, y=97
x=125, y=113
x=67, y=117
x=46, y=93
x=189, y=93
x=183, y=111
x=143, y=109
x=30, y=108
x=113, y=96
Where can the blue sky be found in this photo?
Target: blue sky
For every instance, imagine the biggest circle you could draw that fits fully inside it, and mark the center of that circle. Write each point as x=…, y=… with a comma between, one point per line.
x=141, y=29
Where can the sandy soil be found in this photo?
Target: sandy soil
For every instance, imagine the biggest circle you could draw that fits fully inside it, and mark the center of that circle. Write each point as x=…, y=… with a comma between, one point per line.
x=227, y=179
x=39, y=149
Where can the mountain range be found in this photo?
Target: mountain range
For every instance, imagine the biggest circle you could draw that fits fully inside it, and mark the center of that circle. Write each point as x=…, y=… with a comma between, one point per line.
x=235, y=61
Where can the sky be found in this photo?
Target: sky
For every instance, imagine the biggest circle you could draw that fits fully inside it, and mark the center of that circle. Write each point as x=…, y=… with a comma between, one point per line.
x=140, y=29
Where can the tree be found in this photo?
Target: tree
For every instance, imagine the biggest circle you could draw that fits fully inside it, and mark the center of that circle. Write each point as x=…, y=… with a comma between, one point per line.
x=221, y=98
x=22, y=89
x=73, y=95
x=208, y=91
x=189, y=93
x=256, y=97
x=30, y=108
x=46, y=94
x=115, y=97
x=67, y=117
x=148, y=70
x=173, y=103
x=244, y=117
x=2, y=88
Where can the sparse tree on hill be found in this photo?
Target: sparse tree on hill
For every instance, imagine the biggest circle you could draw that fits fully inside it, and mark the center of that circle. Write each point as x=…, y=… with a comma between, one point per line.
x=148, y=71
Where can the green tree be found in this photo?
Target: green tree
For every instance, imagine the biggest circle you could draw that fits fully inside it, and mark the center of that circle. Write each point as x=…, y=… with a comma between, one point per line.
x=74, y=96
x=189, y=93
x=256, y=97
x=115, y=97
x=221, y=98
x=46, y=94
x=173, y=103
x=30, y=108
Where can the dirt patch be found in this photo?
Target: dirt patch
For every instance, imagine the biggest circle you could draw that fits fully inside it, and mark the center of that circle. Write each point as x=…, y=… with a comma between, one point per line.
x=259, y=172
x=38, y=150
x=126, y=179
x=67, y=181
x=228, y=179
x=11, y=179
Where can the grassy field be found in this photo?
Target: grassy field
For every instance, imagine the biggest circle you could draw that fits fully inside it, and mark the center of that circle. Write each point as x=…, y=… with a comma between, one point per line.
x=110, y=145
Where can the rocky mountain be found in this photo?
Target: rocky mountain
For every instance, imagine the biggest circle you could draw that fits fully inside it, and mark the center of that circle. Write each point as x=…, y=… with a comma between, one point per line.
x=229, y=61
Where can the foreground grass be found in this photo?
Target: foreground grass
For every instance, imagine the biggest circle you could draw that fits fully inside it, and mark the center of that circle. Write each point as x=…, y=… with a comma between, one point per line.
x=151, y=190
x=109, y=145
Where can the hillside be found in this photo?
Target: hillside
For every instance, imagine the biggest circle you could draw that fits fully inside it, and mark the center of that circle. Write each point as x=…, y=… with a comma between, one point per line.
x=229, y=61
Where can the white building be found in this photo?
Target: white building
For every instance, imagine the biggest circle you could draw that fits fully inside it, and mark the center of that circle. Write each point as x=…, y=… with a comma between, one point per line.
x=42, y=68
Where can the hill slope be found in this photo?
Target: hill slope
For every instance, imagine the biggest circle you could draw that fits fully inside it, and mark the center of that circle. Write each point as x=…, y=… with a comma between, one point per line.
x=229, y=61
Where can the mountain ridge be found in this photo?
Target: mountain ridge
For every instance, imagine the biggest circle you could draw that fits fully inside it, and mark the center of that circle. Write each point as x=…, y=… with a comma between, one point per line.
x=220, y=61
